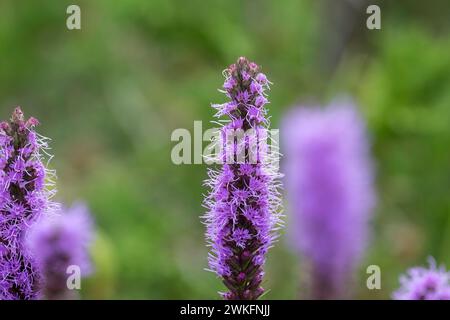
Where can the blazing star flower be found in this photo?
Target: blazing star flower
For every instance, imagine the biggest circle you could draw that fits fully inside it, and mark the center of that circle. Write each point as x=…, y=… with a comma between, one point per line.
x=424, y=284
x=25, y=192
x=243, y=204
x=57, y=243
x=329, y=184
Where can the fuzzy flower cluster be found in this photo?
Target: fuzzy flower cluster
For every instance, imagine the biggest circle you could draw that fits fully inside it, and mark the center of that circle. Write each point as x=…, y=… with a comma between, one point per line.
x=243, y=203
x=59, y=242
x=329, y=183
x=420, y=283
x=24, y=196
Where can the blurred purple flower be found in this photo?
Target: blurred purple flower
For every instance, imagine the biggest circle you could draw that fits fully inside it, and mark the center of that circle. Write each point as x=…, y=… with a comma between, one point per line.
x=424, y=284
x=58, y=242
x=330, y=190
x=25, y=190
x=243, y=202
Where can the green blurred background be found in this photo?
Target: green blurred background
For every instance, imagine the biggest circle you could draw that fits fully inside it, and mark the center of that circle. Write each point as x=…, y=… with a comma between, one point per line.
x=110, y=94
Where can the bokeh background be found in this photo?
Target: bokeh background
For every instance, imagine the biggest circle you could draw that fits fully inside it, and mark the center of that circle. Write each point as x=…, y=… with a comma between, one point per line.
x=110, y=94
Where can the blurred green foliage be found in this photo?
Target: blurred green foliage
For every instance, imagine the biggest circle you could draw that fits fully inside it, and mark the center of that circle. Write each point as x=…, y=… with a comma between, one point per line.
x=109, y=96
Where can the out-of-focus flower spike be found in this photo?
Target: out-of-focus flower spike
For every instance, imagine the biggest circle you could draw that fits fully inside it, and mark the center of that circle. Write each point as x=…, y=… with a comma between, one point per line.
x=58, y=243
x=329, y=181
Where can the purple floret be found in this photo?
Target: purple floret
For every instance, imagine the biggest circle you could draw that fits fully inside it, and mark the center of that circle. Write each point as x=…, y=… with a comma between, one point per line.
x=420, y=283
x=243, y=204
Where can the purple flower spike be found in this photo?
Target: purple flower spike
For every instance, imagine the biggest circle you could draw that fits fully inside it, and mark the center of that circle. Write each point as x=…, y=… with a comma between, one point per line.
x=424, y=284
x=25, y=192
x=243, y=204
x=59, y=242
x=330, y=190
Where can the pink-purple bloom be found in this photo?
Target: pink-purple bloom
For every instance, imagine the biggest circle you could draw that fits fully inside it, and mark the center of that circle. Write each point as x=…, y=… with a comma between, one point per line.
x=421, y=283
x=25, y=192
x=329, y=180
x=59, y=242
x=243, y=203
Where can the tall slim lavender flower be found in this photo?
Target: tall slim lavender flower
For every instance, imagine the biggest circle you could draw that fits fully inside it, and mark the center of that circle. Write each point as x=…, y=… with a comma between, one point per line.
x=57, y=243
x=329, y=184
x=25, y=192
x=420, y=283
x=243, y=204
